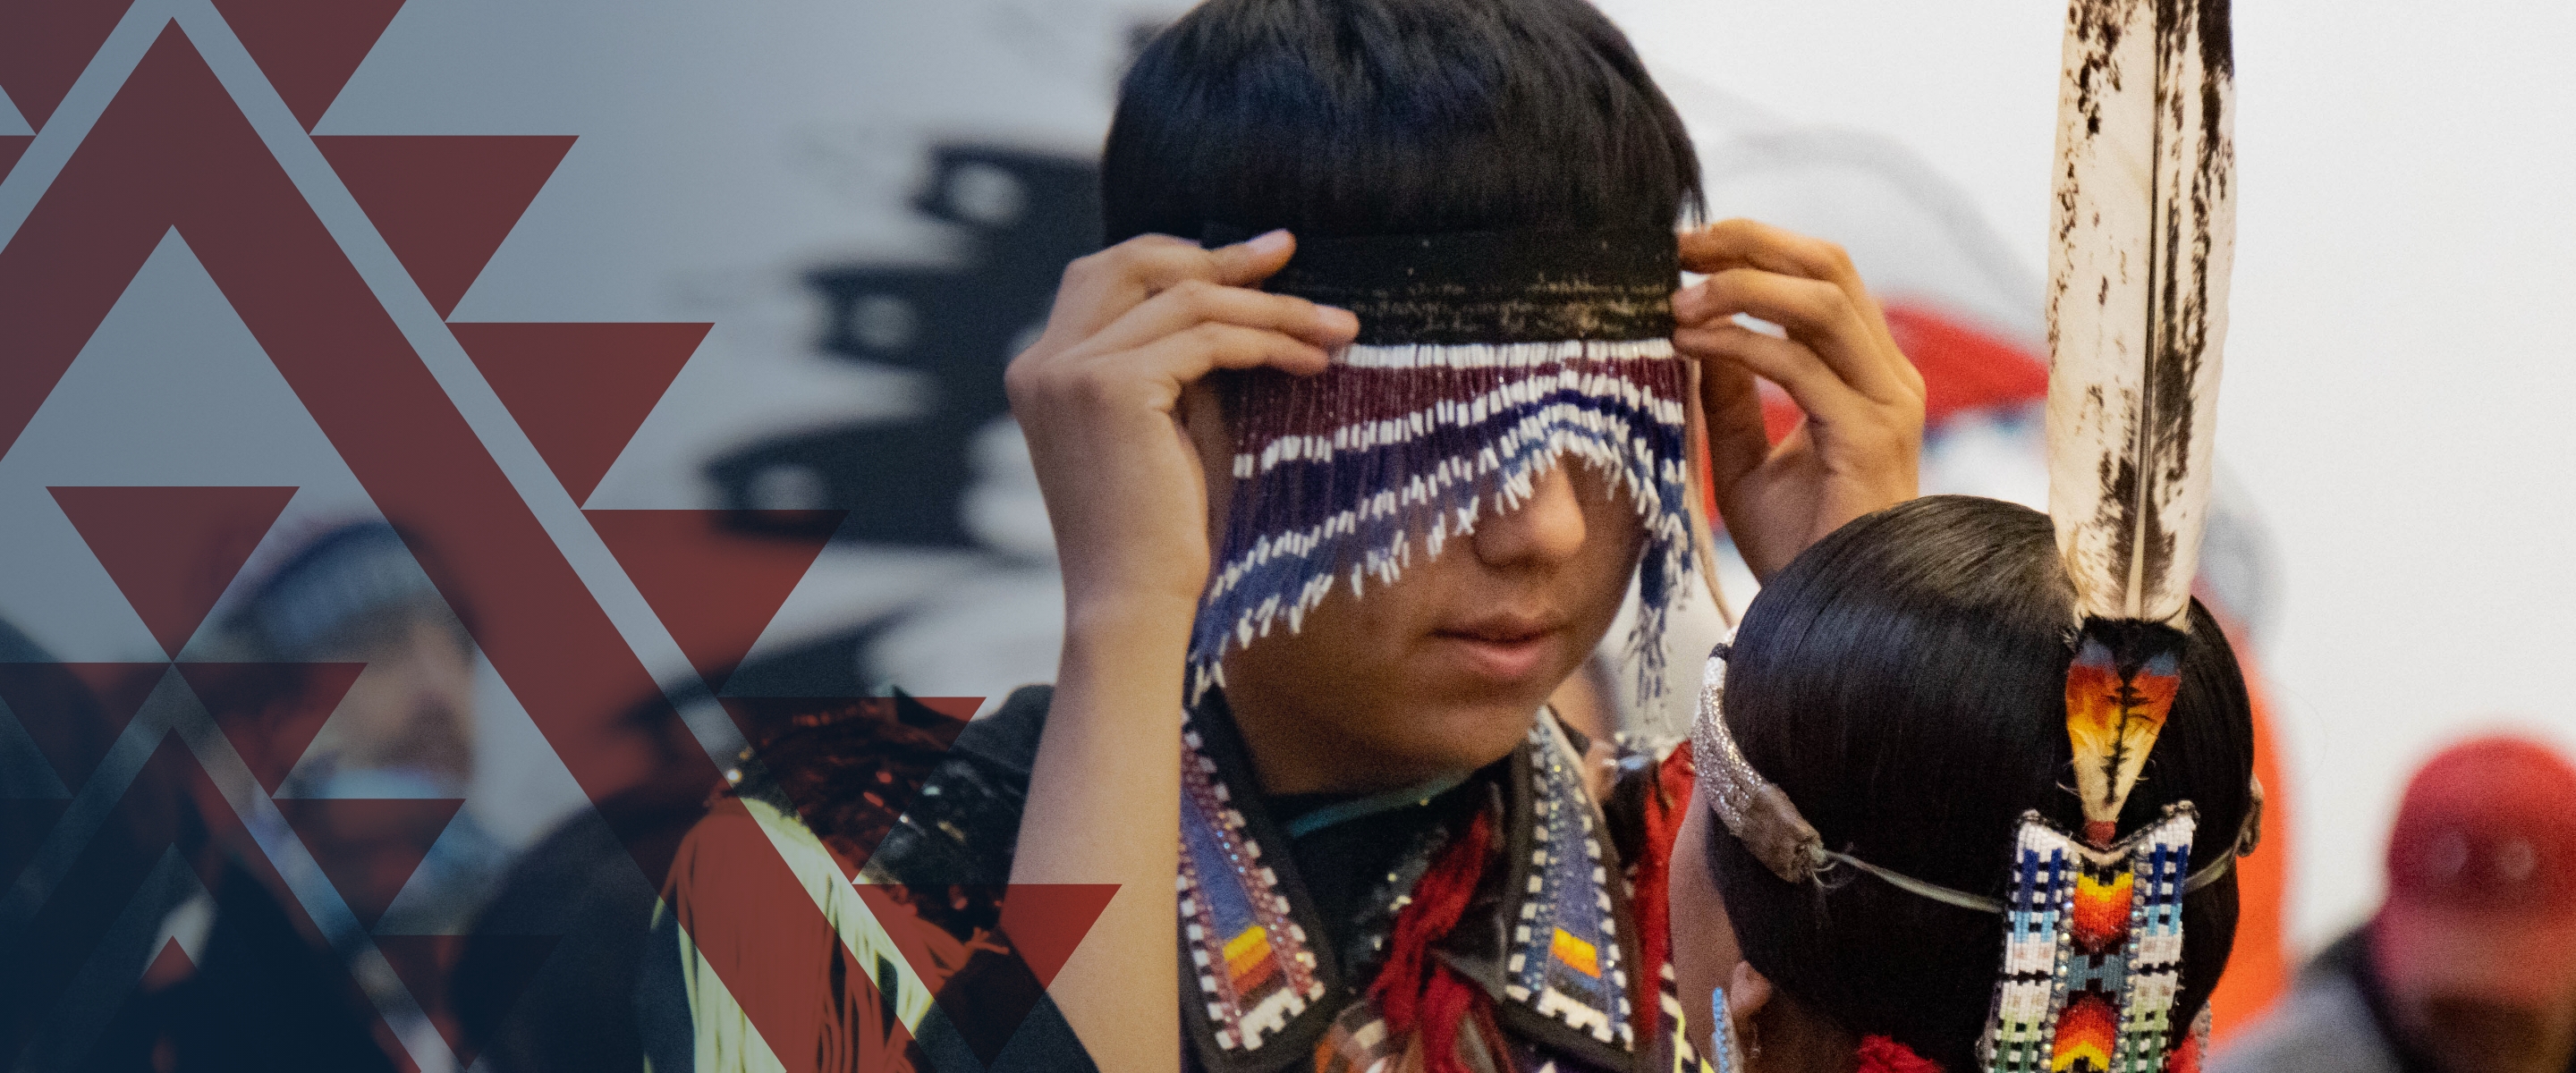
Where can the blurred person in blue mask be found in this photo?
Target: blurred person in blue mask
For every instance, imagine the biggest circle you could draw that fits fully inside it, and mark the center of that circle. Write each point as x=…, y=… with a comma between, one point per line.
x=266, y=995
x=405, y=729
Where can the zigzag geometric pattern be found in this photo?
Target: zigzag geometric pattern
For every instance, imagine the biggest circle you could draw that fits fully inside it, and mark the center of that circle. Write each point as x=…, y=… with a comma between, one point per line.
x=94, y=861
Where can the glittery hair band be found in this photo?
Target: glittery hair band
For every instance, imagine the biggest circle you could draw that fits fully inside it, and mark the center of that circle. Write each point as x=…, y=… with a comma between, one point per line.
x=1760, y=815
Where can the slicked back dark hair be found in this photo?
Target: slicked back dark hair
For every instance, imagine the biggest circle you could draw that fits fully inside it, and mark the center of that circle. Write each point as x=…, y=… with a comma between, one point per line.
x=1365, y=117
x=1903, y=681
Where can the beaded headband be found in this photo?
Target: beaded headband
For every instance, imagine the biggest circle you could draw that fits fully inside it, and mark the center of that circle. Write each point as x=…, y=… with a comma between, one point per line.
x=1760, y=815
x=2092, y=936
x=1483, y=360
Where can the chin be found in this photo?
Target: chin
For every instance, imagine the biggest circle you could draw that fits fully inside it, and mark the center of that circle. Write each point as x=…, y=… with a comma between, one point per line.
x=1471, y=734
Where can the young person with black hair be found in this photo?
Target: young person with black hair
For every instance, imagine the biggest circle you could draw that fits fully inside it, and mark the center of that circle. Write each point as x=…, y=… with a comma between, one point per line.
x=1353, y=439
x=1971, y=780
x=1903, y=683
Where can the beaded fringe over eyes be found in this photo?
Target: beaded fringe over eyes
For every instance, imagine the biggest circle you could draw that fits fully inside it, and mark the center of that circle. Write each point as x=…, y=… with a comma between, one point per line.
x=1483, y=361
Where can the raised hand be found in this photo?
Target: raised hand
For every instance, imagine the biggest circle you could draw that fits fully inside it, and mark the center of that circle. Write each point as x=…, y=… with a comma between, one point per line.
x=1099, y=398
x=1125, y=443
x=1858, y=448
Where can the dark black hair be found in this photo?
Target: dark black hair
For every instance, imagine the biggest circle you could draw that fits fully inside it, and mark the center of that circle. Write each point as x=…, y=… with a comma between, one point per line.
x=1363, y=117
x=1903, y=681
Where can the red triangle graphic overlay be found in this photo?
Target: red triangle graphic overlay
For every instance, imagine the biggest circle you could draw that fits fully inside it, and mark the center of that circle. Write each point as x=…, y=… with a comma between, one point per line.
x=147, y=824
x=168, y=967
x=369, y=846
x=172, y=550
x=271, y=711
x=121, y=687
x=430, y=965
x=1041, y=922
x=308, y=48
x=755, y=924
x=24, y=823
x=960, y=709
x=134, y=1031
x=850, y=765
x=580, y=390
x=714, y=589
x=1046, y=921
x=12, y=146
x=172, y=149
x=44, y=45
x=444, y=202
x=74, y=712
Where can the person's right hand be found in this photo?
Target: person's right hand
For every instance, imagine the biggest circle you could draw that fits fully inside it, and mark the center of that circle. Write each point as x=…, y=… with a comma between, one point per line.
x=1098, y=397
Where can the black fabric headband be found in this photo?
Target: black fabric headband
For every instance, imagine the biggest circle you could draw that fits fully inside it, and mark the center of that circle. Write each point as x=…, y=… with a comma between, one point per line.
x=1471, y=287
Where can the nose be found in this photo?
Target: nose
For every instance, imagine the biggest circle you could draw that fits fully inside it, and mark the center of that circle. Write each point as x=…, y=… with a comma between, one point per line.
x=1546, y=529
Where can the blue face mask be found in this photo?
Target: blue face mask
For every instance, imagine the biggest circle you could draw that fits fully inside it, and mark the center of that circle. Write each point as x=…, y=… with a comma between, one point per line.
x=384, y=782
x=458, y=870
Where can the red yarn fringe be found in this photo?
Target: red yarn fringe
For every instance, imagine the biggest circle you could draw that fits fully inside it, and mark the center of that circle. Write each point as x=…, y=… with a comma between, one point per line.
x=1416, y=989
x=1667, y=805
x=1879, y=1054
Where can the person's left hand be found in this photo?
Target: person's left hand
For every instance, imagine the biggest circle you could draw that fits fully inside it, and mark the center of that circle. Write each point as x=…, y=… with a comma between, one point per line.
x=1859, y=445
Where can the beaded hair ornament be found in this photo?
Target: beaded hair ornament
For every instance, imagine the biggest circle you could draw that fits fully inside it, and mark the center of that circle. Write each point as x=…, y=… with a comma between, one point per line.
x=1483, y=360
x=2144, y=228
x=2093, y=935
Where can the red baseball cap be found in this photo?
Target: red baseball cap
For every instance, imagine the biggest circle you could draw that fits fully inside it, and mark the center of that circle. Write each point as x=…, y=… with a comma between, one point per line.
x=2482, y=876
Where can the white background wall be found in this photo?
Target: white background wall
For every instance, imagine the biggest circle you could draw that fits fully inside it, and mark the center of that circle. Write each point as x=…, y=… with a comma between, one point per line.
x=2398, y=375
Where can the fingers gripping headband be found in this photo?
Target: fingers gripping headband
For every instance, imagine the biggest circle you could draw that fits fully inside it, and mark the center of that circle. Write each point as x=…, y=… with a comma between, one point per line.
x=1483, y=360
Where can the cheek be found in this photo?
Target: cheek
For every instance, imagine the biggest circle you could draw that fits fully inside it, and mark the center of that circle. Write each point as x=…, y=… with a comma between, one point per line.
x=1614, y=535
x=1704, y=950
x=1360, y=639
x=1593, y=585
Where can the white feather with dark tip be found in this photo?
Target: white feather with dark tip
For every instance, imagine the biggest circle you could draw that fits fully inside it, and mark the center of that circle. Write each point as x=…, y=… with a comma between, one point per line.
x=2144, y=230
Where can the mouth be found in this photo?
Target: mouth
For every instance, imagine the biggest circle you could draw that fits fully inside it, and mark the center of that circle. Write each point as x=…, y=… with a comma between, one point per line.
x=1504, y=648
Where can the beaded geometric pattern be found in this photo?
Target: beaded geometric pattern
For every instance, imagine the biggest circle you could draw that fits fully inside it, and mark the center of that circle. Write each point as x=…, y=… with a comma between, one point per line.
x=1565, y=947
x=1254, y=970
x=2092, y=950
x=1483, y=360
x=1668, y=996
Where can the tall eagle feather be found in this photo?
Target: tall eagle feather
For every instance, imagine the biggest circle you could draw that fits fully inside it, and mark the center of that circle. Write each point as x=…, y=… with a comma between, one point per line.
x=2144, y=225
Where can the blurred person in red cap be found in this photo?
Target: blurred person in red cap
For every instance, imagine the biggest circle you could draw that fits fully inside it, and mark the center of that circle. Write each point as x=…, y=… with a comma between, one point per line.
x=2471, y=963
